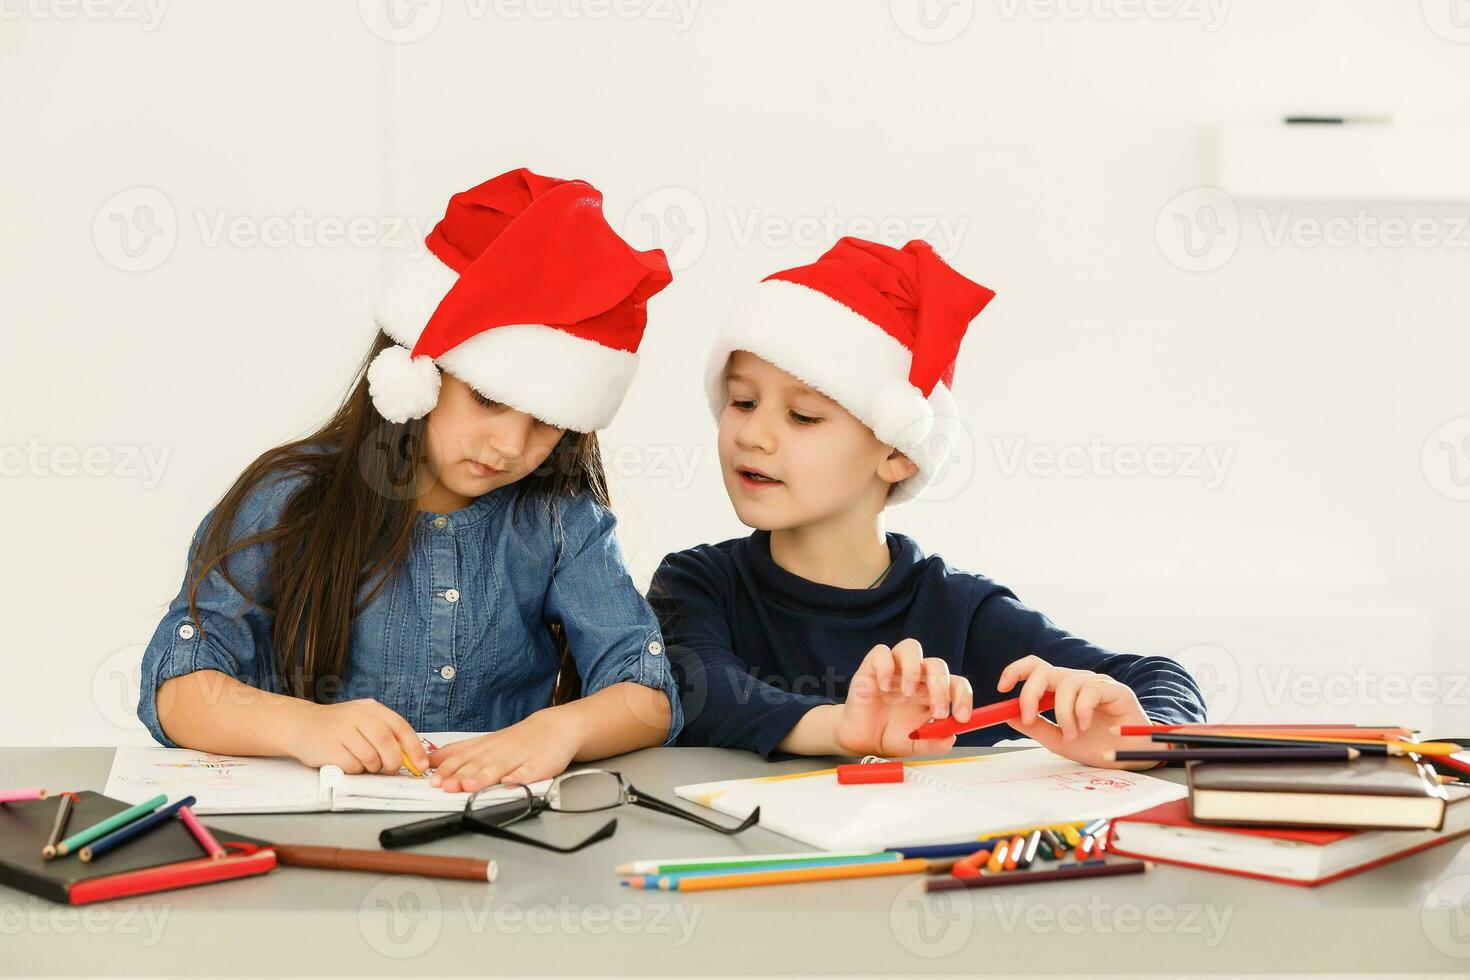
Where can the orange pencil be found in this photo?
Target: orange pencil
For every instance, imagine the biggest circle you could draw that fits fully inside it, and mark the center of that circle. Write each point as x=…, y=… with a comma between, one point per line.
x=830, y=873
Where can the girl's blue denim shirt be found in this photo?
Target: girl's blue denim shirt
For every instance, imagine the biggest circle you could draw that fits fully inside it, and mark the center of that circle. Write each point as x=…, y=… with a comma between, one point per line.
x=458, y=640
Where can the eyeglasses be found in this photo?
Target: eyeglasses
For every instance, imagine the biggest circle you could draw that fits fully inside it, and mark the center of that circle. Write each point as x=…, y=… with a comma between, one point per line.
x=583, y=791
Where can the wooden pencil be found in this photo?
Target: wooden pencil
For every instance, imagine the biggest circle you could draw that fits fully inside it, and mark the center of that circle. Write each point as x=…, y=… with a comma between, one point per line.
x=1092, y=869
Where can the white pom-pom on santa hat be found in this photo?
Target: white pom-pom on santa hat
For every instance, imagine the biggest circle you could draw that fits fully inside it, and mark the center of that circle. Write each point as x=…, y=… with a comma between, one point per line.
x=901, y=415
x=402, y=386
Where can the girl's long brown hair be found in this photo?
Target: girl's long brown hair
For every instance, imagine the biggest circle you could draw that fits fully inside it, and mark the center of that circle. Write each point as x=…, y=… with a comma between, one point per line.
x=348, y=530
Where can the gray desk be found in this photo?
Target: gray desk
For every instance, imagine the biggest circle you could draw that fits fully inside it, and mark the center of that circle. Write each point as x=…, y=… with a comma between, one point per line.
x=550, y=913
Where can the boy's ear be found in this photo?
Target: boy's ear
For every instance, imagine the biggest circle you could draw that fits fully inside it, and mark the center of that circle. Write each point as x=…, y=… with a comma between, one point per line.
x=896, y=467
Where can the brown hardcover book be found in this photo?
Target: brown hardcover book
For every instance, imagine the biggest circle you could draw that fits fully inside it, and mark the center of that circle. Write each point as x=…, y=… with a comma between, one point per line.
x=1372, y=792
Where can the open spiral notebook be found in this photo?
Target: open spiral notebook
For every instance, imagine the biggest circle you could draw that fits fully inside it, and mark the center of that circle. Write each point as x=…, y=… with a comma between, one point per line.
x=241, y=784
x=940, y=800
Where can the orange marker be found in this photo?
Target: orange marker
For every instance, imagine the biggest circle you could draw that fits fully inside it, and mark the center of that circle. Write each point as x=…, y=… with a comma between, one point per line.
x=997, y=861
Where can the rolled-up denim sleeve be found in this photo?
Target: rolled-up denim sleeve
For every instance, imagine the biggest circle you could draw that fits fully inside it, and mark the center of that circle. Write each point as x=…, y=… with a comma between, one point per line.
x=231, y=633
x=612, y=632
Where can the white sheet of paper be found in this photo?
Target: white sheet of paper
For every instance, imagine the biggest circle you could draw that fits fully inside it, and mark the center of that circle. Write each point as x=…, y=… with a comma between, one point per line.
x=954, y=800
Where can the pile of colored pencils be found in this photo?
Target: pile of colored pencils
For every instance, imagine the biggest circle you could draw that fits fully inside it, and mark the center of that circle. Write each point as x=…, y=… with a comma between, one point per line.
x=116, y=830
x=1003, y=858
x=1284, y=743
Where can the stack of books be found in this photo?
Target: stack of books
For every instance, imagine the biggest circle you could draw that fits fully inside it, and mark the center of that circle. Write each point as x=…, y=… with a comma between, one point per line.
x=1304, y=804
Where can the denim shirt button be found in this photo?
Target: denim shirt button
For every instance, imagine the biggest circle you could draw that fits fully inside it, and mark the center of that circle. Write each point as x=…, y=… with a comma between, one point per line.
x=186, y=631
x=655, y=647
x=441, y=522
x=452, y=595
x=447, y=672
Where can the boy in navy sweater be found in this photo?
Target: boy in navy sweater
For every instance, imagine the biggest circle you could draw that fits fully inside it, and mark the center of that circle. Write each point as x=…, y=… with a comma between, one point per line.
x=819, y=634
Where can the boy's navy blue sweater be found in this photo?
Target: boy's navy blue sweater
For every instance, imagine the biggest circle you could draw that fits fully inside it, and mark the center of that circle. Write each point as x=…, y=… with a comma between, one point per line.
x=755, y=647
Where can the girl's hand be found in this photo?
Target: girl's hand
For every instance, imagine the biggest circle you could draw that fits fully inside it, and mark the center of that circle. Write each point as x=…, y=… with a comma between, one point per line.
x=895, y=691
x=359, y=736
x=1087, y=705
x=541, y=746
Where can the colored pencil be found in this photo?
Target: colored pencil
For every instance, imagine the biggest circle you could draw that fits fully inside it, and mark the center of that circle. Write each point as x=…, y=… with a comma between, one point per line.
x=1092, y=869
x=640, y=881
x=1057, y=841
x=958, y=849
x=408, y=764
x=1072, y=835
x=1344, y=731
x=20, y=795
x=679, y=865
x=1023, y=831
x=63, y=814
x=134, y=829
x=201, y=833
x=1085, y=849
x=105, y=827
x=1221, y=754
x=792, y=876
x=997, y=862
x=1293, y=741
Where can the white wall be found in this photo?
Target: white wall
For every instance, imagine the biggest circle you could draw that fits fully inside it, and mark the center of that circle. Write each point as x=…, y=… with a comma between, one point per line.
x=1041, y=149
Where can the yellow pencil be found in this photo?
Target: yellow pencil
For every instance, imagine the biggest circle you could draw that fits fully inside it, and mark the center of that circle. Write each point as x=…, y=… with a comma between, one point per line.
x=408, y=764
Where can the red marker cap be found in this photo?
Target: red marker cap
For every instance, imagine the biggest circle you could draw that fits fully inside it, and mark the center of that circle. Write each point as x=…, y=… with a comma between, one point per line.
x=870, y=772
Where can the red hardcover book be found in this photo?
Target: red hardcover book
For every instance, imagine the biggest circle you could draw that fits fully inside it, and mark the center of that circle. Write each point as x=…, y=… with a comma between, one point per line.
x=1292, y=855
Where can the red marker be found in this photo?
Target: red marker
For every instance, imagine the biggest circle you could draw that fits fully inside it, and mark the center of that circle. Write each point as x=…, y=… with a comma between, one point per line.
x=992, y=714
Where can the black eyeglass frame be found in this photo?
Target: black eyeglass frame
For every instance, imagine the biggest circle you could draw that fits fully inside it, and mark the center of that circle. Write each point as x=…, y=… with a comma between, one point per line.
x=494, y=819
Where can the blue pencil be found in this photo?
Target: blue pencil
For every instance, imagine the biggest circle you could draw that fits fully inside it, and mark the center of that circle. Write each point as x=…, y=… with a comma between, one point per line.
x=962, y=849
x=128, y=831
x=644, y=881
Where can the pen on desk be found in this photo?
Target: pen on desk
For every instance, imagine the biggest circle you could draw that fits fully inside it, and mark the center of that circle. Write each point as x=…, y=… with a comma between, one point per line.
x=63, y=814
x=386, y=862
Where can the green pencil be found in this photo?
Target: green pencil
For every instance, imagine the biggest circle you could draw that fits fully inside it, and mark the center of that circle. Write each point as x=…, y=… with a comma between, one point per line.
x=738, y=861
x=84, y=837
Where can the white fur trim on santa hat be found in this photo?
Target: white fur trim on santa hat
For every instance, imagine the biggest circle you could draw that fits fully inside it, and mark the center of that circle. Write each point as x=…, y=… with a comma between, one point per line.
x=414, y=292
x=847, y=357
x=562, y=379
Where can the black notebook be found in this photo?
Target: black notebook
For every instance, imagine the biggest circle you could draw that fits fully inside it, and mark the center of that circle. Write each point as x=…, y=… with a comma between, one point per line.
x=25, y=827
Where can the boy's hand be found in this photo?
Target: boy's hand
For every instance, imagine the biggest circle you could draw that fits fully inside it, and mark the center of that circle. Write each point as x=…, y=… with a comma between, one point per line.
x=893, y=692
x=1087, y=705
x=539, y=747
x=358, y=736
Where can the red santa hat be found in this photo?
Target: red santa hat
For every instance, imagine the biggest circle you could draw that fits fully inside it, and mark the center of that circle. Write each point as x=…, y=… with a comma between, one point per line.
x=876, y=329
x=528, y=296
